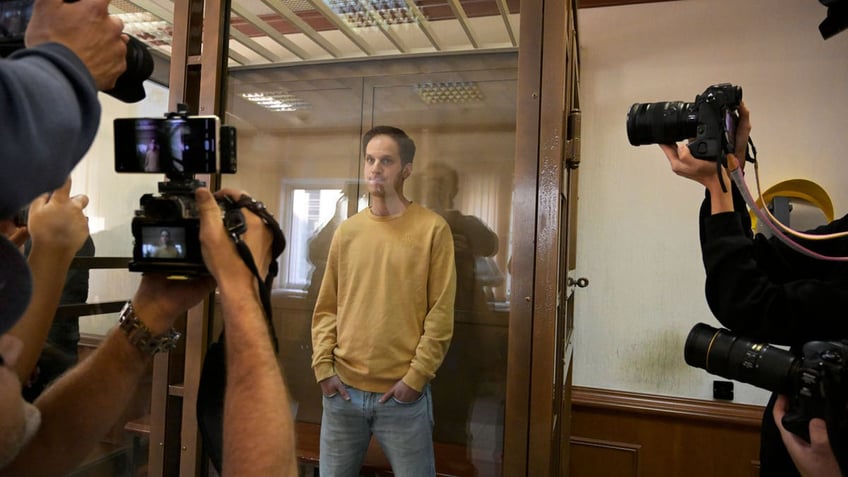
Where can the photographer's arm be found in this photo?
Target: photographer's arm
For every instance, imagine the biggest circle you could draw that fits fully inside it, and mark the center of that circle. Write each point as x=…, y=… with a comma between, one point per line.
x=49, y=100
x=258, y=424
x=754, y=287
x=82, y=406
x=58, y=229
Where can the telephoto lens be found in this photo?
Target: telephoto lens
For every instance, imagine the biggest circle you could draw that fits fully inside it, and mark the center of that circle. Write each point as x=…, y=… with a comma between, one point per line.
x=732, y=357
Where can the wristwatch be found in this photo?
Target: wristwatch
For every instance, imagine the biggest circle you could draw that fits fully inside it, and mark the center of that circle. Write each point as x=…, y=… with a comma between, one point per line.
x=141, y=336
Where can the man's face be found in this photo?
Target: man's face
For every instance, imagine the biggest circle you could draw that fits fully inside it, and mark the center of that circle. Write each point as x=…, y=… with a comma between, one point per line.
x=384, y=173
x=164, y=237
x=18, y=419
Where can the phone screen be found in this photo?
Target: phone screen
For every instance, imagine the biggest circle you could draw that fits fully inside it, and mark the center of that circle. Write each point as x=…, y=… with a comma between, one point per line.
x=172, y=145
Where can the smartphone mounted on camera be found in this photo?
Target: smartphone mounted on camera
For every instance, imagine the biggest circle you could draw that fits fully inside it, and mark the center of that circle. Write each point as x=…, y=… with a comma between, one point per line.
x=166, y=226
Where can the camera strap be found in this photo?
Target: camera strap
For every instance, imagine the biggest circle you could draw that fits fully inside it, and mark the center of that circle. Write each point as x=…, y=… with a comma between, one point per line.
x=750, y=156
x=277, y=247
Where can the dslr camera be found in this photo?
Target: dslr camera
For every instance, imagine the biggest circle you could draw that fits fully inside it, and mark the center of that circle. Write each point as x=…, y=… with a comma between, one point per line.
x=166, y=226
x=129, y=88
x=709, y=122
x=816, y=382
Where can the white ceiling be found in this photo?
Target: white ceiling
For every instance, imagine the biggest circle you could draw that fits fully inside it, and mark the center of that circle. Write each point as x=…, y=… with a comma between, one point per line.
x=265, y=32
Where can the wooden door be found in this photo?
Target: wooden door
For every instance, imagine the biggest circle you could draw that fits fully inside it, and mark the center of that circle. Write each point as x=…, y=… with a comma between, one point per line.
x=539, y=372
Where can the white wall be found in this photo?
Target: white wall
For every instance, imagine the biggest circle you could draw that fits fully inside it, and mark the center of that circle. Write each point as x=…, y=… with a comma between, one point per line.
x=638, y=231
x=112, y=199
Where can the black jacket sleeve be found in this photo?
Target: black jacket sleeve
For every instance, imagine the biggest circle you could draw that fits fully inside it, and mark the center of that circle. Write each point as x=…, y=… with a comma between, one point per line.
x=762, y=289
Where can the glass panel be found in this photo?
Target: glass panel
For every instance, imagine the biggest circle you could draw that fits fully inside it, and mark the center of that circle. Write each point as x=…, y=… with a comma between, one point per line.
x=299, y=151
x=463, y=124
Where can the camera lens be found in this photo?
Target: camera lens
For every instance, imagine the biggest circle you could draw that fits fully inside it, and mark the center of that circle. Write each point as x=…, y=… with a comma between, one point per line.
x=129, y=87
x=733, y=357
x=661, y=123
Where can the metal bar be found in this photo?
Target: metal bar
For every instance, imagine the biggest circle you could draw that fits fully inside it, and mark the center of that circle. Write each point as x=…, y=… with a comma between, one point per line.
x=504, y=9
x=154, y=9
x=460, y=15
x=167, y=16
x=307, y=30
x=272, y=32
x=253, y=45
x=343, y=27
x=87, y=309
x=381, y=24
x=425, y=25
x=100, y=262
x=238, y=58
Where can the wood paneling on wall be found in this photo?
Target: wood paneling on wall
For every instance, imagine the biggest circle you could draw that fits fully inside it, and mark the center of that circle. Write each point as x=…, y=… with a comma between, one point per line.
x=629, y=434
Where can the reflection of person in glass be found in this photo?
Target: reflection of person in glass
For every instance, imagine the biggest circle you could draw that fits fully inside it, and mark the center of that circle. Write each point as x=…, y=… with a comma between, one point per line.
x=166, y=247
x=475, y=365
x=472, y=239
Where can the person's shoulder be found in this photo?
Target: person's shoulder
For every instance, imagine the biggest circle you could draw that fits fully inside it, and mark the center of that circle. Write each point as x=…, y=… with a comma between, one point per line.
x=422, y=213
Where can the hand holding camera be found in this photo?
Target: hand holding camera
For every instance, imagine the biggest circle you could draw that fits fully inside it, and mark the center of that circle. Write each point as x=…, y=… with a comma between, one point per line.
x=85, y=27
x=218, y=249
x=814, y=458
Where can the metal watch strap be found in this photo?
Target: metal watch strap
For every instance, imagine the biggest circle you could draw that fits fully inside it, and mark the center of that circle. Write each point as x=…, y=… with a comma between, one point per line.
x=141, y=336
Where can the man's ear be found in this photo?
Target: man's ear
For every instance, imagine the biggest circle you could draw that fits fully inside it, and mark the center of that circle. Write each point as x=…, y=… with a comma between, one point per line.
x=407, y=170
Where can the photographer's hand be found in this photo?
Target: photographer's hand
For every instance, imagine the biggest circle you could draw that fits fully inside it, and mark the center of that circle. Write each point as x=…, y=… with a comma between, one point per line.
x=85, y=27
x=814, y=458
x=219, y=251
x=58, y=228
x=703, y=172
x=57, y=224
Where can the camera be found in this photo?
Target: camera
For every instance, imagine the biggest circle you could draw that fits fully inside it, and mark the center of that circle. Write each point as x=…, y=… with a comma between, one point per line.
x=816, y=382
x=709, y=121
x=14, y=18
x=166, y=226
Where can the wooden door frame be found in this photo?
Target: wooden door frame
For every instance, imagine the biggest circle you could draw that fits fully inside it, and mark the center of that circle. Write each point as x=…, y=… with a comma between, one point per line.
x=532, y=371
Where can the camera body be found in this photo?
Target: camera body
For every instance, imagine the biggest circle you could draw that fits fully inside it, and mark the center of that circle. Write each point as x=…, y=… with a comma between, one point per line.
x=816, y=382
x=166, y=226
x=166, y=229
x=709, y=122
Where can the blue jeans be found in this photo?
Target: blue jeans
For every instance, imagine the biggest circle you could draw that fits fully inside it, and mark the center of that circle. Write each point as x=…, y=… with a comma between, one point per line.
x=403, y=430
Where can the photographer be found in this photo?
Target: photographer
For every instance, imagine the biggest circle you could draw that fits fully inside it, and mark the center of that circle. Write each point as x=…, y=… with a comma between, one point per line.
x=43, y=440
x=759, y=287
x=48, y=94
